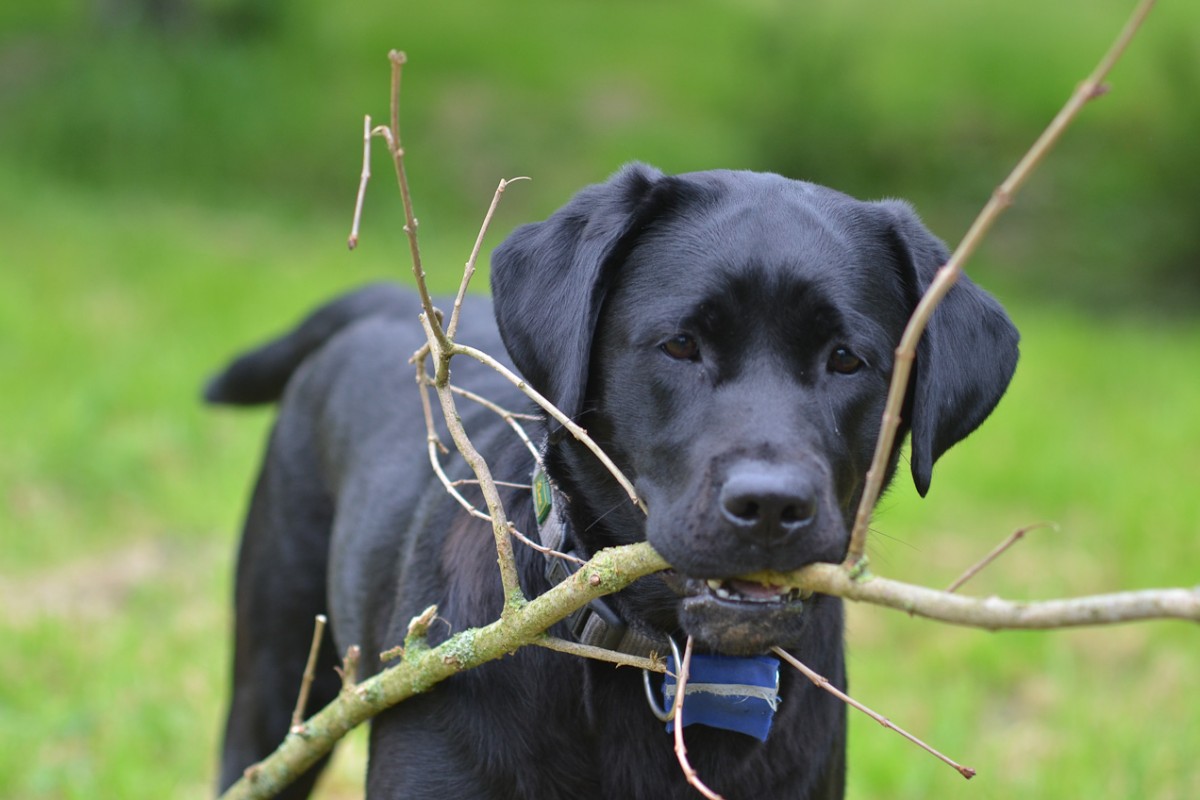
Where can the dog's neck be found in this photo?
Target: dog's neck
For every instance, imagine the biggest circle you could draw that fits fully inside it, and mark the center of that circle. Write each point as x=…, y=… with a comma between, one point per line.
x=596, y=624
x=731, y=693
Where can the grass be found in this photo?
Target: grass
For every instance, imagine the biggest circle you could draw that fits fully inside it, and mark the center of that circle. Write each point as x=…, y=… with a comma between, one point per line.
x=122, y=497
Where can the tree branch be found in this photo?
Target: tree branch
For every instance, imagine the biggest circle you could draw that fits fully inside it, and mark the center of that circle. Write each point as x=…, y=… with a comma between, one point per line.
x=992, y=613
x=422, y=668
x=948, y=275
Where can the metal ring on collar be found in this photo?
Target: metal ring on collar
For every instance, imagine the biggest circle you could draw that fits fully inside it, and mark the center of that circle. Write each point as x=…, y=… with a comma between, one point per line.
x=655, y=708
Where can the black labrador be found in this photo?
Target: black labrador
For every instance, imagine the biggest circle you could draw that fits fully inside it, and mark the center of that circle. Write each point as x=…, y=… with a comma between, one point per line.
x=728, y=338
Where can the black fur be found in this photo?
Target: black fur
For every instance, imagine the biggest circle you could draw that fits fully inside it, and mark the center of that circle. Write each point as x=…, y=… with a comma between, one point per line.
x=728, y=338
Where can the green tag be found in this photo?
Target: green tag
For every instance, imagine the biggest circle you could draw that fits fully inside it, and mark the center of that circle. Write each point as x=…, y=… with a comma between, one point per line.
x=543, y=501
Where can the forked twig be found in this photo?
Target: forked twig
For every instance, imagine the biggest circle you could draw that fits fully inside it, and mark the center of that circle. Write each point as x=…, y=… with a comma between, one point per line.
x=824, y=683
x=509, y=417
x=440, y=349
x=513, y=594
x=575, y=430
x=948, y=275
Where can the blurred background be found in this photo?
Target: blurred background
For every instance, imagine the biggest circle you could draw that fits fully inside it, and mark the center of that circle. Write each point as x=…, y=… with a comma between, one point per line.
x=176, y=182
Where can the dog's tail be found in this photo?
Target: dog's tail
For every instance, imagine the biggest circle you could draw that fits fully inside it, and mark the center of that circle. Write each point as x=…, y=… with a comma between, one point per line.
x=260, y=375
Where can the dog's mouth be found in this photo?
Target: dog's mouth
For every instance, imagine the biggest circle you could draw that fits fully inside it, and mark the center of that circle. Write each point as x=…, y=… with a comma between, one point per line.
x=738, y=591
x=740, y=617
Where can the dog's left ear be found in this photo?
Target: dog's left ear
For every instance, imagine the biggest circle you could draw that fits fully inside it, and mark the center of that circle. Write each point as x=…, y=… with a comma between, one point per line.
x=549, y=279
x=966, y=357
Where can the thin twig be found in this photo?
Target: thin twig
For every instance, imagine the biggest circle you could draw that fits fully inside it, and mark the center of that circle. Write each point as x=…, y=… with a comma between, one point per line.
x=349, y=668
x=434, y=444
x=469, y=267
x=824, y=683
x=996, y=552
x=310, y=672
x=491, y=495
x=475, y=482
x=576, y=431
x=449, y=485
x=546, y=551
x=949, y=274
x=398, y=59
x=424, y=384
x=510, y=418
x=689, y=771
x=488, y=404
x=600, y=654
x=362, y=183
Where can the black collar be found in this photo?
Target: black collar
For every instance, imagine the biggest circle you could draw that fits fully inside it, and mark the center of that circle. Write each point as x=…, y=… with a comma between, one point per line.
x=596, y=624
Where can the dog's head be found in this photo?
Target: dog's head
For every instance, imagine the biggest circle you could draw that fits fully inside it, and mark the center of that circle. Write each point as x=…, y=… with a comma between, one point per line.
x=728, y=338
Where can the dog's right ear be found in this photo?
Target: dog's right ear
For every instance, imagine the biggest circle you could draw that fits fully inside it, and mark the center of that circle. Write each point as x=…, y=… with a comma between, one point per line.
x=549, y=279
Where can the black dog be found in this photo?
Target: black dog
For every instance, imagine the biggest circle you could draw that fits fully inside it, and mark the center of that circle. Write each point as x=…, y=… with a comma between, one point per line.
x=728, y=338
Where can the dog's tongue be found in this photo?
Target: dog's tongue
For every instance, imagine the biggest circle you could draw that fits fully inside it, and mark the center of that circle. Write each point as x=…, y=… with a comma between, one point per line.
x=755, y=590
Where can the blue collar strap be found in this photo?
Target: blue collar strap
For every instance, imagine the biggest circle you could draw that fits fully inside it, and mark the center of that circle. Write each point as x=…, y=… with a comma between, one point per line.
x=734, y=694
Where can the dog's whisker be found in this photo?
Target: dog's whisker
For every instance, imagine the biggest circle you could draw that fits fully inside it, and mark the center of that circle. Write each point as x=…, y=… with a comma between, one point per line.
x=598, y=519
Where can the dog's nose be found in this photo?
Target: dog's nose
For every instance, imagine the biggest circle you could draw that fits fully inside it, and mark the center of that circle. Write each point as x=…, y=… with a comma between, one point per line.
x=768, y=503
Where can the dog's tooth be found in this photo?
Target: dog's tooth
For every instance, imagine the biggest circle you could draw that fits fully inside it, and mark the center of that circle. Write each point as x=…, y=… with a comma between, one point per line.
x=714, y=584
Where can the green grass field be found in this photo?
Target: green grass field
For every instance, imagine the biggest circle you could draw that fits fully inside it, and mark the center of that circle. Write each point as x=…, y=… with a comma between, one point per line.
x=166, y=201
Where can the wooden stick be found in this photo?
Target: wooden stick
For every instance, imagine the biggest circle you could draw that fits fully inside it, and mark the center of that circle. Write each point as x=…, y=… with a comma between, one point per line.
x=362, y=183
x=996, y=552
x=689, y=771
x=824, y=683
x=310, y=672
x=948, y=275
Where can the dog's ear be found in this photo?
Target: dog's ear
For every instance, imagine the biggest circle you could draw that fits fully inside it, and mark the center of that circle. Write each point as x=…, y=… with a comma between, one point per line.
x=965, y=359
x=549, y=279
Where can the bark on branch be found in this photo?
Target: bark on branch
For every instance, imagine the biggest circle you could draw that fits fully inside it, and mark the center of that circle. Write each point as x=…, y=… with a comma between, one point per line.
x=422, y=668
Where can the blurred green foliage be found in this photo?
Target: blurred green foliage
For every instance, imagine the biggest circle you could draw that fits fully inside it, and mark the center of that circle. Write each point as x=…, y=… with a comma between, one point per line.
x=176, y=180
x=933, y=100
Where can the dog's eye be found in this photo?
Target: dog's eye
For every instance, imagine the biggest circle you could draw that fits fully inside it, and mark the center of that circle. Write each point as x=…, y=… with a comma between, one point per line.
x=681, y=347
x=844, y=362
